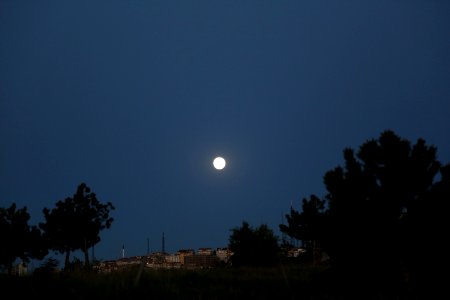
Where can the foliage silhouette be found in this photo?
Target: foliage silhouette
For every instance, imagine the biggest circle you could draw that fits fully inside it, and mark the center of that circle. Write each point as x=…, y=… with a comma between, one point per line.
x=253, y=247
x=76, y=222
x=19, y=240
x=307, y=226
x=386, y=213
x=49, y=266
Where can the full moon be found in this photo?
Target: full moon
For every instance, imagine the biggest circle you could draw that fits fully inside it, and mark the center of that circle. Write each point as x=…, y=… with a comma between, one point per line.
x=219, y=163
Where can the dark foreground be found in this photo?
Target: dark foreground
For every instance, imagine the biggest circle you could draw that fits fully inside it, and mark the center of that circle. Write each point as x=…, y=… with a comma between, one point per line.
x=280, y=282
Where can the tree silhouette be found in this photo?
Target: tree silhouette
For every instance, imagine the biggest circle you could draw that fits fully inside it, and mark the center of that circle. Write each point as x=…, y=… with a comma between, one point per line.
x=308, y=226
x=253, y=247
x=19, y=240
x=382, y=205
x=76, y=222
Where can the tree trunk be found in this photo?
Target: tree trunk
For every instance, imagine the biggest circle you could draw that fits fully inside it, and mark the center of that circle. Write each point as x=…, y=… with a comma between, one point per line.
x=86, y=257
x=67, y=261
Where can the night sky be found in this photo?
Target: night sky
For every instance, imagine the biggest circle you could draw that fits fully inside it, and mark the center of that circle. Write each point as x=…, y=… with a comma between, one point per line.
x=136, y=98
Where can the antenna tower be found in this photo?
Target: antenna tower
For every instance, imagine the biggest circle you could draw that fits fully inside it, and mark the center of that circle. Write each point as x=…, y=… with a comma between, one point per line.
x=163, y=244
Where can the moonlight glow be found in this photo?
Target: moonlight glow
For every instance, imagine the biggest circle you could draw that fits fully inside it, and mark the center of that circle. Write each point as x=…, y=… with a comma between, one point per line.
x=219, y=163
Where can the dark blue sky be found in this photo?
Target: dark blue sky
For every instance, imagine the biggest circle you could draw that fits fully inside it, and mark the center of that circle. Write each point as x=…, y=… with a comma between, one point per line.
x=136, y=98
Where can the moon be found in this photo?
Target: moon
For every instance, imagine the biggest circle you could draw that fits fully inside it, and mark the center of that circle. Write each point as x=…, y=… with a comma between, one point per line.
x=219, y=163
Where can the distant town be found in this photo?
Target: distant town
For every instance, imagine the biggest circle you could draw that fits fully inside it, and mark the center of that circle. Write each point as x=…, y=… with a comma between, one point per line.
x=184, y=258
